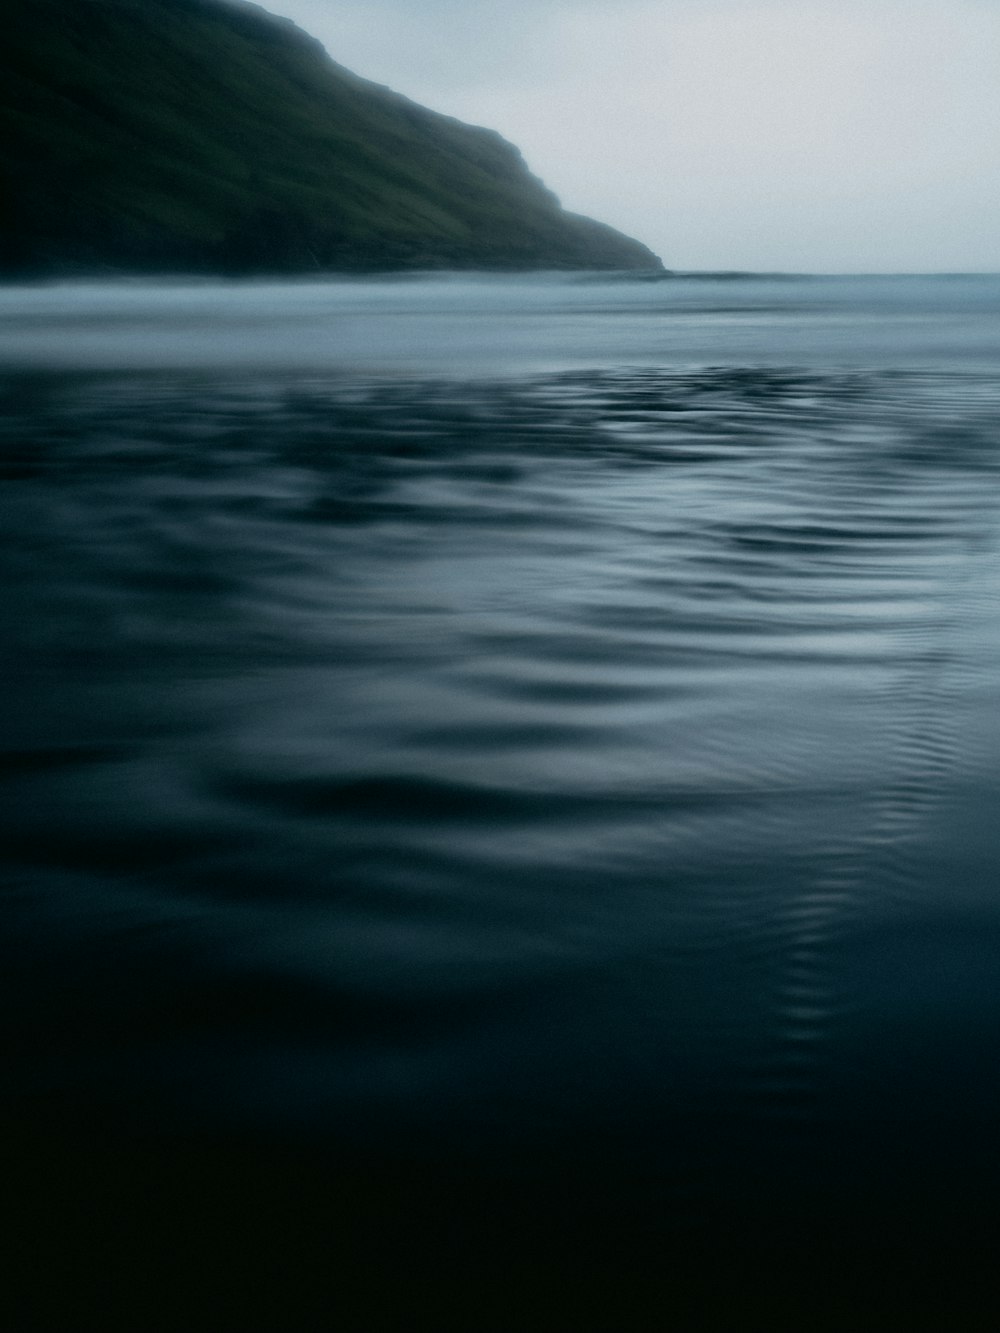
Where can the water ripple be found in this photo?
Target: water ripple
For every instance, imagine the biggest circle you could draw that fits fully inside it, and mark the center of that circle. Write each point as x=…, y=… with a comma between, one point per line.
x=619, y=705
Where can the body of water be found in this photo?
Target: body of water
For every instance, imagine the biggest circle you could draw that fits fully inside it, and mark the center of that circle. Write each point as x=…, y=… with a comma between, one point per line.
x=499, y=795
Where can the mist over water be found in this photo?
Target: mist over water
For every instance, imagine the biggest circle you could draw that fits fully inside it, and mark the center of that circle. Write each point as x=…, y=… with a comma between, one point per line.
x=512, y=721
x=480, y=326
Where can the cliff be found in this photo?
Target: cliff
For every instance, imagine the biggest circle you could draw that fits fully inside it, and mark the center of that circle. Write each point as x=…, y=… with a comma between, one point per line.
x=208, y=136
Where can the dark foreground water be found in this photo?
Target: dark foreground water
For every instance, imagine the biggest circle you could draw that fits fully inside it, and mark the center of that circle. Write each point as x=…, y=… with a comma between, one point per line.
x=499, y=788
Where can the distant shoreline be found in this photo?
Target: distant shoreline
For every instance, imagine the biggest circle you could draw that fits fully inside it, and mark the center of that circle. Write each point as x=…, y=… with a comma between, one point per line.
x=167, y=278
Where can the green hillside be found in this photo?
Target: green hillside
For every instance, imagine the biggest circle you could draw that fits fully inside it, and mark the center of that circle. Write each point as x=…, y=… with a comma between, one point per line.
x=210, y=136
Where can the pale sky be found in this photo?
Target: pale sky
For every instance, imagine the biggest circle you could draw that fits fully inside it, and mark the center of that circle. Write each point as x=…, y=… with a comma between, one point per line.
x=808, y=135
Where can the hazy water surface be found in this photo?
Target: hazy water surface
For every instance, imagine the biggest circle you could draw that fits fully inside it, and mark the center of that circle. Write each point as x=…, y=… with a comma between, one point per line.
x=482, y=717
x=483, y=326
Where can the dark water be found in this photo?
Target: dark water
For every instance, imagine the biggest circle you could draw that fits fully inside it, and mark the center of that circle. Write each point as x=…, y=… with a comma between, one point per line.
x=500, y=800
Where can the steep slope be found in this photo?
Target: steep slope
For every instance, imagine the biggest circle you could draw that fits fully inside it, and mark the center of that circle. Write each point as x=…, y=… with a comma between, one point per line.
x=210, y=136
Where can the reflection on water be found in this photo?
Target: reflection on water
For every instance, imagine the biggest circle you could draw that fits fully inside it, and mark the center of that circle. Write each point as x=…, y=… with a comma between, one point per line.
x=495, y=766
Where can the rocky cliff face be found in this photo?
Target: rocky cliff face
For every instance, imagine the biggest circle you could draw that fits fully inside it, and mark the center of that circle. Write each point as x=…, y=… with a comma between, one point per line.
x=210, y=136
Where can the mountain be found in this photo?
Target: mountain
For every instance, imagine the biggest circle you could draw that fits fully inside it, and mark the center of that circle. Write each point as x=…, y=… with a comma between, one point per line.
x=210, y=136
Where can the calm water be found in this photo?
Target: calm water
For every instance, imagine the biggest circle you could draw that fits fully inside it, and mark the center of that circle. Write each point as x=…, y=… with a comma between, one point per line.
x=537, y=730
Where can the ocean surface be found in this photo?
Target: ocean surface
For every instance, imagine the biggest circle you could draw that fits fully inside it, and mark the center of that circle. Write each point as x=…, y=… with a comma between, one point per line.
x=500, y=795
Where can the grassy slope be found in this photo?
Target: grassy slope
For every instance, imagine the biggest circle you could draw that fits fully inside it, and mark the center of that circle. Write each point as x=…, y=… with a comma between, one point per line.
x=204, y=135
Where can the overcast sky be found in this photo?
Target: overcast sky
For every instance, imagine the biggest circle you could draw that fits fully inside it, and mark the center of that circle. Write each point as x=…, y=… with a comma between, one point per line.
x=823, y=135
